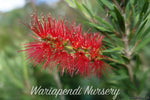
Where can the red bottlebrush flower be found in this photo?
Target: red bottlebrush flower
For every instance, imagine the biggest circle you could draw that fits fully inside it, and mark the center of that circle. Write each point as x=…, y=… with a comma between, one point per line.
x=82, y=63
x=65, y=62
x=67, y=48
x=87, y=41
x=76, y=37
x=39, y=52
x=99, y=67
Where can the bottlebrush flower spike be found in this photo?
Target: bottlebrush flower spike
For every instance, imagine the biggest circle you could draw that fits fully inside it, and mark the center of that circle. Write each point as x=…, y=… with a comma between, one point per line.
x=67, y=48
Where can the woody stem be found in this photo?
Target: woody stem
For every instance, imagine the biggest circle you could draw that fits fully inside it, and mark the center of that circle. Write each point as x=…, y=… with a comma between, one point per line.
x=58, y=82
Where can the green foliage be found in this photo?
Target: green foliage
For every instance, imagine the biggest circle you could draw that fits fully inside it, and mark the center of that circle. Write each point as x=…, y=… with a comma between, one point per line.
x=120, y=19
x=126, y=27
x=106, y=24
x=106, y=3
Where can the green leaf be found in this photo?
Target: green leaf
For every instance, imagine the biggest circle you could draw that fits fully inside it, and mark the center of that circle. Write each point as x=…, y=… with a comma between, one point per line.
x=125, y=59
x=135, y=20
x=100, y=3
x=120, y=19
x=104, y=22
x=142, y=43
x=112, y=14
x=139, y=31
x=71, y=3
x=78, y=5
x=106, y=3
x=146, y=32
x=146, y=15
x=113, y=21
x=85, y=10
x=89, y=12
x=127, y=10
x=144, y=9
x=114, y=49
x=103, y=29
x=138, y=63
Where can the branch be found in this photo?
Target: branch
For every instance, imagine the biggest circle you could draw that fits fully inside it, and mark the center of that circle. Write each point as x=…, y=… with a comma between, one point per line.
x=58, y=82
x=116, y=3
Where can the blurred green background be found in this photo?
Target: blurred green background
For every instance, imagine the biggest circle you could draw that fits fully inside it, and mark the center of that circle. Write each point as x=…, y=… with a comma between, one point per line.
x=17, y=77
